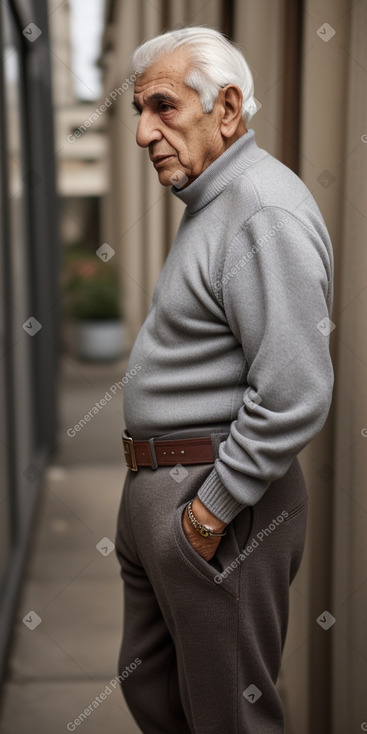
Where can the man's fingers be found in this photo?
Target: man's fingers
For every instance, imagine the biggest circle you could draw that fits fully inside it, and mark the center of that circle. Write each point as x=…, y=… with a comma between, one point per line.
x=205, y=547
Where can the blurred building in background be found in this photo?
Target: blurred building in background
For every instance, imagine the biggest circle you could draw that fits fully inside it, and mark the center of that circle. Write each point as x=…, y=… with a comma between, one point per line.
x=309, y=61
x=80, y=140
x=51, y=191
x=81, y=155
x=28, y=286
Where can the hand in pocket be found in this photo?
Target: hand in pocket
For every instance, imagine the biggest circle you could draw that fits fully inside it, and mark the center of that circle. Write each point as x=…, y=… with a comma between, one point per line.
x=205, y=547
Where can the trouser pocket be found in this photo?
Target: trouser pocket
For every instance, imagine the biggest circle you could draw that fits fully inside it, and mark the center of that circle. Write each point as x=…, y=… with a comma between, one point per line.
x=297, y=510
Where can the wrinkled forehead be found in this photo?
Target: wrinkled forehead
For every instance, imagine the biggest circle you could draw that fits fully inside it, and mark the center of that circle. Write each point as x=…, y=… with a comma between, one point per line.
x=169, y=71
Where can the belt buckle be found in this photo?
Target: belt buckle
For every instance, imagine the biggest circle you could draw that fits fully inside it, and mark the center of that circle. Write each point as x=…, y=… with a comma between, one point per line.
x=129, y=452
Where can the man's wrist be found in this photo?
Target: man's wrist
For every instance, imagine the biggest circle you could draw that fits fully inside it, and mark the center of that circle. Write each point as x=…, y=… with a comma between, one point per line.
x=205, y=517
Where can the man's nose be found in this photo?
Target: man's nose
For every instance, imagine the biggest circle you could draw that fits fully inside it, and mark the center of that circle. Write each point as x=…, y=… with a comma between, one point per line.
x=147, y=131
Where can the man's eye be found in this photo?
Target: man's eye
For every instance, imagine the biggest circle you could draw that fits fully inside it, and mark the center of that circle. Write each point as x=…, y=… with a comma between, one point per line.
x=165, y=107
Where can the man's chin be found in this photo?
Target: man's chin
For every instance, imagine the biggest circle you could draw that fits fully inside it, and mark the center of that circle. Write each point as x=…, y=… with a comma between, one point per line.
x=164, y=178
x=174, y=177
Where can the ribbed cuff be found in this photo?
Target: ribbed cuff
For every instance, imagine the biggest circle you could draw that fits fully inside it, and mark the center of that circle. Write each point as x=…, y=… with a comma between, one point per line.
x=218, y=500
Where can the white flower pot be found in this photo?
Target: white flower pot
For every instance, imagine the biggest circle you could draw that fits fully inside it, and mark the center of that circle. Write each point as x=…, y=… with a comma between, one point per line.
x=99, y=340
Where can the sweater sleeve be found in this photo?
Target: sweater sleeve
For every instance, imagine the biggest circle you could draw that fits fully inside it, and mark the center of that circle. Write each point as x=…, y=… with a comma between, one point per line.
x=276, y=291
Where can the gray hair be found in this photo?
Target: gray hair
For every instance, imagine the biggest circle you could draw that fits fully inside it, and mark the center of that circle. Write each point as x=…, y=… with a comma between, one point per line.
x=215, y=62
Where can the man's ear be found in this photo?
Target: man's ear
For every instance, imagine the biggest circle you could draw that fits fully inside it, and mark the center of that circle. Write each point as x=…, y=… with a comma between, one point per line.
x=231, y=99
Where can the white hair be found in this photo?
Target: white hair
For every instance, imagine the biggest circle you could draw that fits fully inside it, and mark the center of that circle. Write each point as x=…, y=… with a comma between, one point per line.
x=215, y=62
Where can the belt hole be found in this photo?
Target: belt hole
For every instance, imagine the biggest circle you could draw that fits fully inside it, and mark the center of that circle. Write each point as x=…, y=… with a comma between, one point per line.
x=182, y=452
x=164, y=452
x=173, y=452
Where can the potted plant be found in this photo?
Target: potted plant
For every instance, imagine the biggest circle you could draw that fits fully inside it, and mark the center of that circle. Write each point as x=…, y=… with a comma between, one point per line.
x=93, y=303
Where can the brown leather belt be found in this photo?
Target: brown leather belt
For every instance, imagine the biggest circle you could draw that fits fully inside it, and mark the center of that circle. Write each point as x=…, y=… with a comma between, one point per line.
x=155, y=453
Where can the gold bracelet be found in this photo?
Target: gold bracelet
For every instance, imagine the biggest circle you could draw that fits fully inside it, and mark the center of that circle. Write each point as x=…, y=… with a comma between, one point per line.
x=204, y=530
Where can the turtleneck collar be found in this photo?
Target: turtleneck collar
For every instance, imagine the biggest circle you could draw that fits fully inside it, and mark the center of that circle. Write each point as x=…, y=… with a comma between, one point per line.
x=220, y=173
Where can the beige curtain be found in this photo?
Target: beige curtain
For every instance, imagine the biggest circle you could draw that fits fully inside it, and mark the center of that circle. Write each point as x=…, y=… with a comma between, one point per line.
x=314, y=120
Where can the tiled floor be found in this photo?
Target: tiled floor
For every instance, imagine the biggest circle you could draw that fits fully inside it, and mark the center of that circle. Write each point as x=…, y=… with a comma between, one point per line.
x=59, y=668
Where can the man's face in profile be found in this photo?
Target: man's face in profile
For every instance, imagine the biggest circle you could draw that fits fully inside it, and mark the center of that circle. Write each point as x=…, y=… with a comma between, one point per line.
x=182, y=139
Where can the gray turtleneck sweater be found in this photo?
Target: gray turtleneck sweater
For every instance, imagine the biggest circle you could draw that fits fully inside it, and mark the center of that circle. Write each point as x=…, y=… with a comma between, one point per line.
x=238, y=330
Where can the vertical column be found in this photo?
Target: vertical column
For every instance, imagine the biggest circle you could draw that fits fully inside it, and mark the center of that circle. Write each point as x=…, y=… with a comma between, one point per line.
x=126, y=170
x=349, y=597
x=153, y=194
x=292, y=53
x=324, y=86
x=259, y=27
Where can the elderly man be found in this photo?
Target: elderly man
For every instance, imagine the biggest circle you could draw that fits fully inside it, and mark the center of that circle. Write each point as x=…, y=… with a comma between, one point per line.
x=235, y=379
